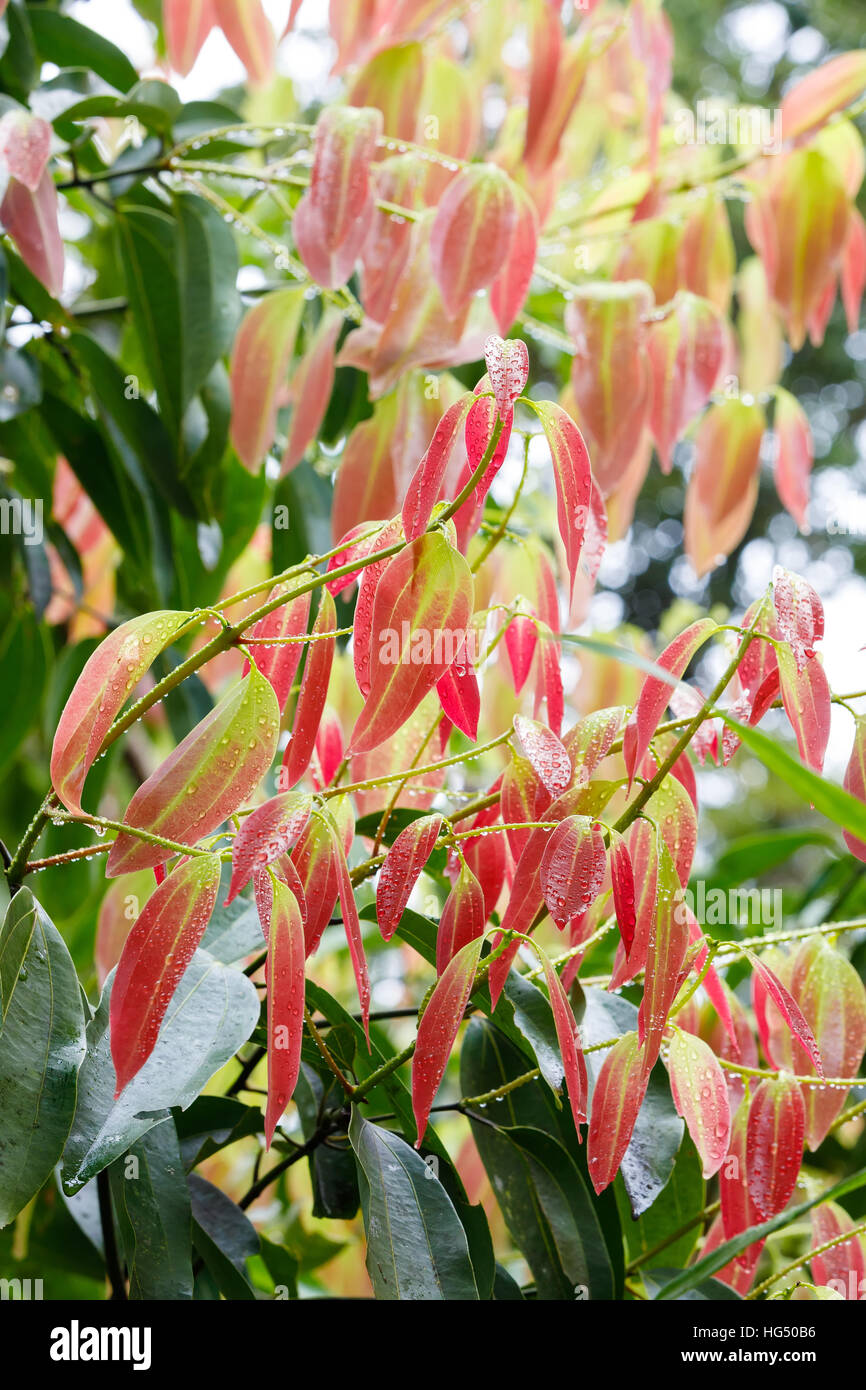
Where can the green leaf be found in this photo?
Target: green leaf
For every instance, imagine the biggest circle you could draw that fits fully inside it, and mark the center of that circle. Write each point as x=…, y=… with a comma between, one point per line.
x=67, y=43
x=681, y=1199
x=211, y=1015
x=333, y=1172
x=210, y=306
x=148, y=252
x=282, y=1266
x=416, y=1246
x=224, y=1237
x=152, y=1210
x=709, y=1290
x=212, y=1123
x=833, y=802
x=41, y=1049
x=23, y=672
x=20, y=383
x=532, y=1016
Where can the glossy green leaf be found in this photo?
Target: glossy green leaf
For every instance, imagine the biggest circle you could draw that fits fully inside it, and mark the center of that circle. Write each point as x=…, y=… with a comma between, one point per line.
x=152, y=1212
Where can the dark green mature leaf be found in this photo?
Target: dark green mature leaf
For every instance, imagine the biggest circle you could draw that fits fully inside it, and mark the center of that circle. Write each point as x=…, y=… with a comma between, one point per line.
x=680, y=1200
x=23, y=669
x=416, y=1246
x=212, y=1013
x=282, y=1266
x=333, y=1172
x=152, y=1210
x=212, y=1123
x=20, y=383
x=532, y=1016
x=19, y=68
x=505, y=1289
x=210, y=306
x=224, y=1237
x=62, y=40
x=41, y=1049
x=148, y=252
x=650, y=1157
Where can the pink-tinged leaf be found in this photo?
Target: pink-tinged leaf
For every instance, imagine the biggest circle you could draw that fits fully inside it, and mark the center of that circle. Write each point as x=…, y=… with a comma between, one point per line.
x=686, y=351
x=758, y=661
x=787, y=1006
x=508, y=370
x=610, y=372
x=723, y=487
x=438, y=1029
x=25, y=146
x=843, y=1266
x=774, y=1144
x=259, y=368
x=799, y=613
x=246, y=27
x=822, y=91
x=524, y=797
x=425, y=488
x=312, y=695
x=32, y=221
x=511, y=286
x=480, y=424
x=329, y=749
x=266, y=834
x=713, y=986
x=852, y=277
x=426, y=590
x=686, y=701
x=155, y=955
x=806, y=697
x=117, y=913
x=389, y=239
x=700, y=1095
x=392, y=81
x=487, y=856
x=362, y=629
x=351, y=922
x=521, y=639
x=315, y=859
x=547, y=42
x=472, y=233
x=855, y=782
x=666, y=953
x=738, y=1274
x=643, y=842
x=284, y=977
x=795, y=453
x=207, y=777
x=591, y=739
x=572, y=478
x=622, y=882
x=463, y=918
x=573, y=1061
x=357, y=543
x=345, y=144
x=460, y=696
x=616, y=1100
x=109, y=677
x=401, y=869
x=285, y=870
x=279, y=661
x=187, y=24
x=656, y=693
x=311, y=388
x=573, y=867
x=556, y=106
x=738, y=1209
x=707, y=259
x=548, y=757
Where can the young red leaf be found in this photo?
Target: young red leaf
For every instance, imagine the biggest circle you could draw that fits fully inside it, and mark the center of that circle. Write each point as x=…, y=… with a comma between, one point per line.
x=460, y=696
x=822, y=91
x=738, y=1208
x=283, y=925
x=155, y=955
x=616, y=1100
x=315, y=859
x=356, y=543
x=399, y=873
x=852, y=277
x=573, y=1061
x=109, y=677
x=686, y=350
x=351, y=922
x=713, y=985
x=426, y=486
x=25, y=146
x=723, y=486
x=207, y=777
x=463, y=918
x=32, y=221
x=332, y=220
x=548, y=757
x=511, y=286
x=806, y=697
x=787, y=1006
x=312, y=695
x=666, y=952
x=487, y=856
x=438, y=1029
x=656, y=693
x=572, y=478
x=622, y=882
x=591, y=739
x=187, y=24
x=643, y=842
x=521, y=639
x=279, y=661
x=246, y=27
x=774, y=1144
x=799, y=613
x=329, y=749
x=700, y=1095
x=573, y=867
x=426, y=590
x=362, y=630
x=311, y=388
x=508, y=370
x=388, y=242
x=794, y=456
x=472, y=233
x=855, y=782
x=843, y=1266
x=265, y=835
x=523, y=797
x=259, y=368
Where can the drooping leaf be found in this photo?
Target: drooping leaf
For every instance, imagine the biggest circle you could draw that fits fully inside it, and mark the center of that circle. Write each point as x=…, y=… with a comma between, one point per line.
x=655, y=693
x=259, y=368
x=438, y=1030
x=265, y=835
x=573, y=868
x=313, y=693
x=152, y=1208
x=311, y=388
x=472, y=233
x=399, y=873
x=284, y=976
x=700, y=1094
x=572, y=477
x=774, y=1144
x=616, y=1100
x=463, y=918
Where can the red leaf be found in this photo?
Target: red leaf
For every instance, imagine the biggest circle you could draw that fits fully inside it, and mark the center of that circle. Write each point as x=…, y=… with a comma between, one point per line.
x=357, y=543
x=787, y=1006
x=315, y=859
x=155, y=955
x=311, y=388
x=32, y=221
x=280, y=661
x=259, y=368
x=351, y=924
x=207, y=777
x=855, y=782
x=426, y=485
x=656, y=693
x=806, y=697
x=666, y=952
x=245, y=25
x=312, y=695
x=283, y=926
x=715, y=990
x=573, y=867
x=738, y=1209
x=616, y=1100
x=700, y=1095
x=463, y=918
x=852, y=277
x=521, y=639
x=843, y=1266
x=794, y=455
x=329, y=749
x=362, y=631
x=774, y=1144
x=399, y=873
x=265, y=835
x=622, y=881
x=822, y=91
x=573, y=1061
x=108, y=679
x=25, y=146
x=438, y=1029
x=686, y=350
x=547, y=756
x=572, y=478
x=472, y=233
x=723, y=486
x=591, y=739
x=460, y=696
x=487, y=857
x=187, y=24
x=511, y=286
x=508, y=370
x=799, y=612
x=426, y=590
